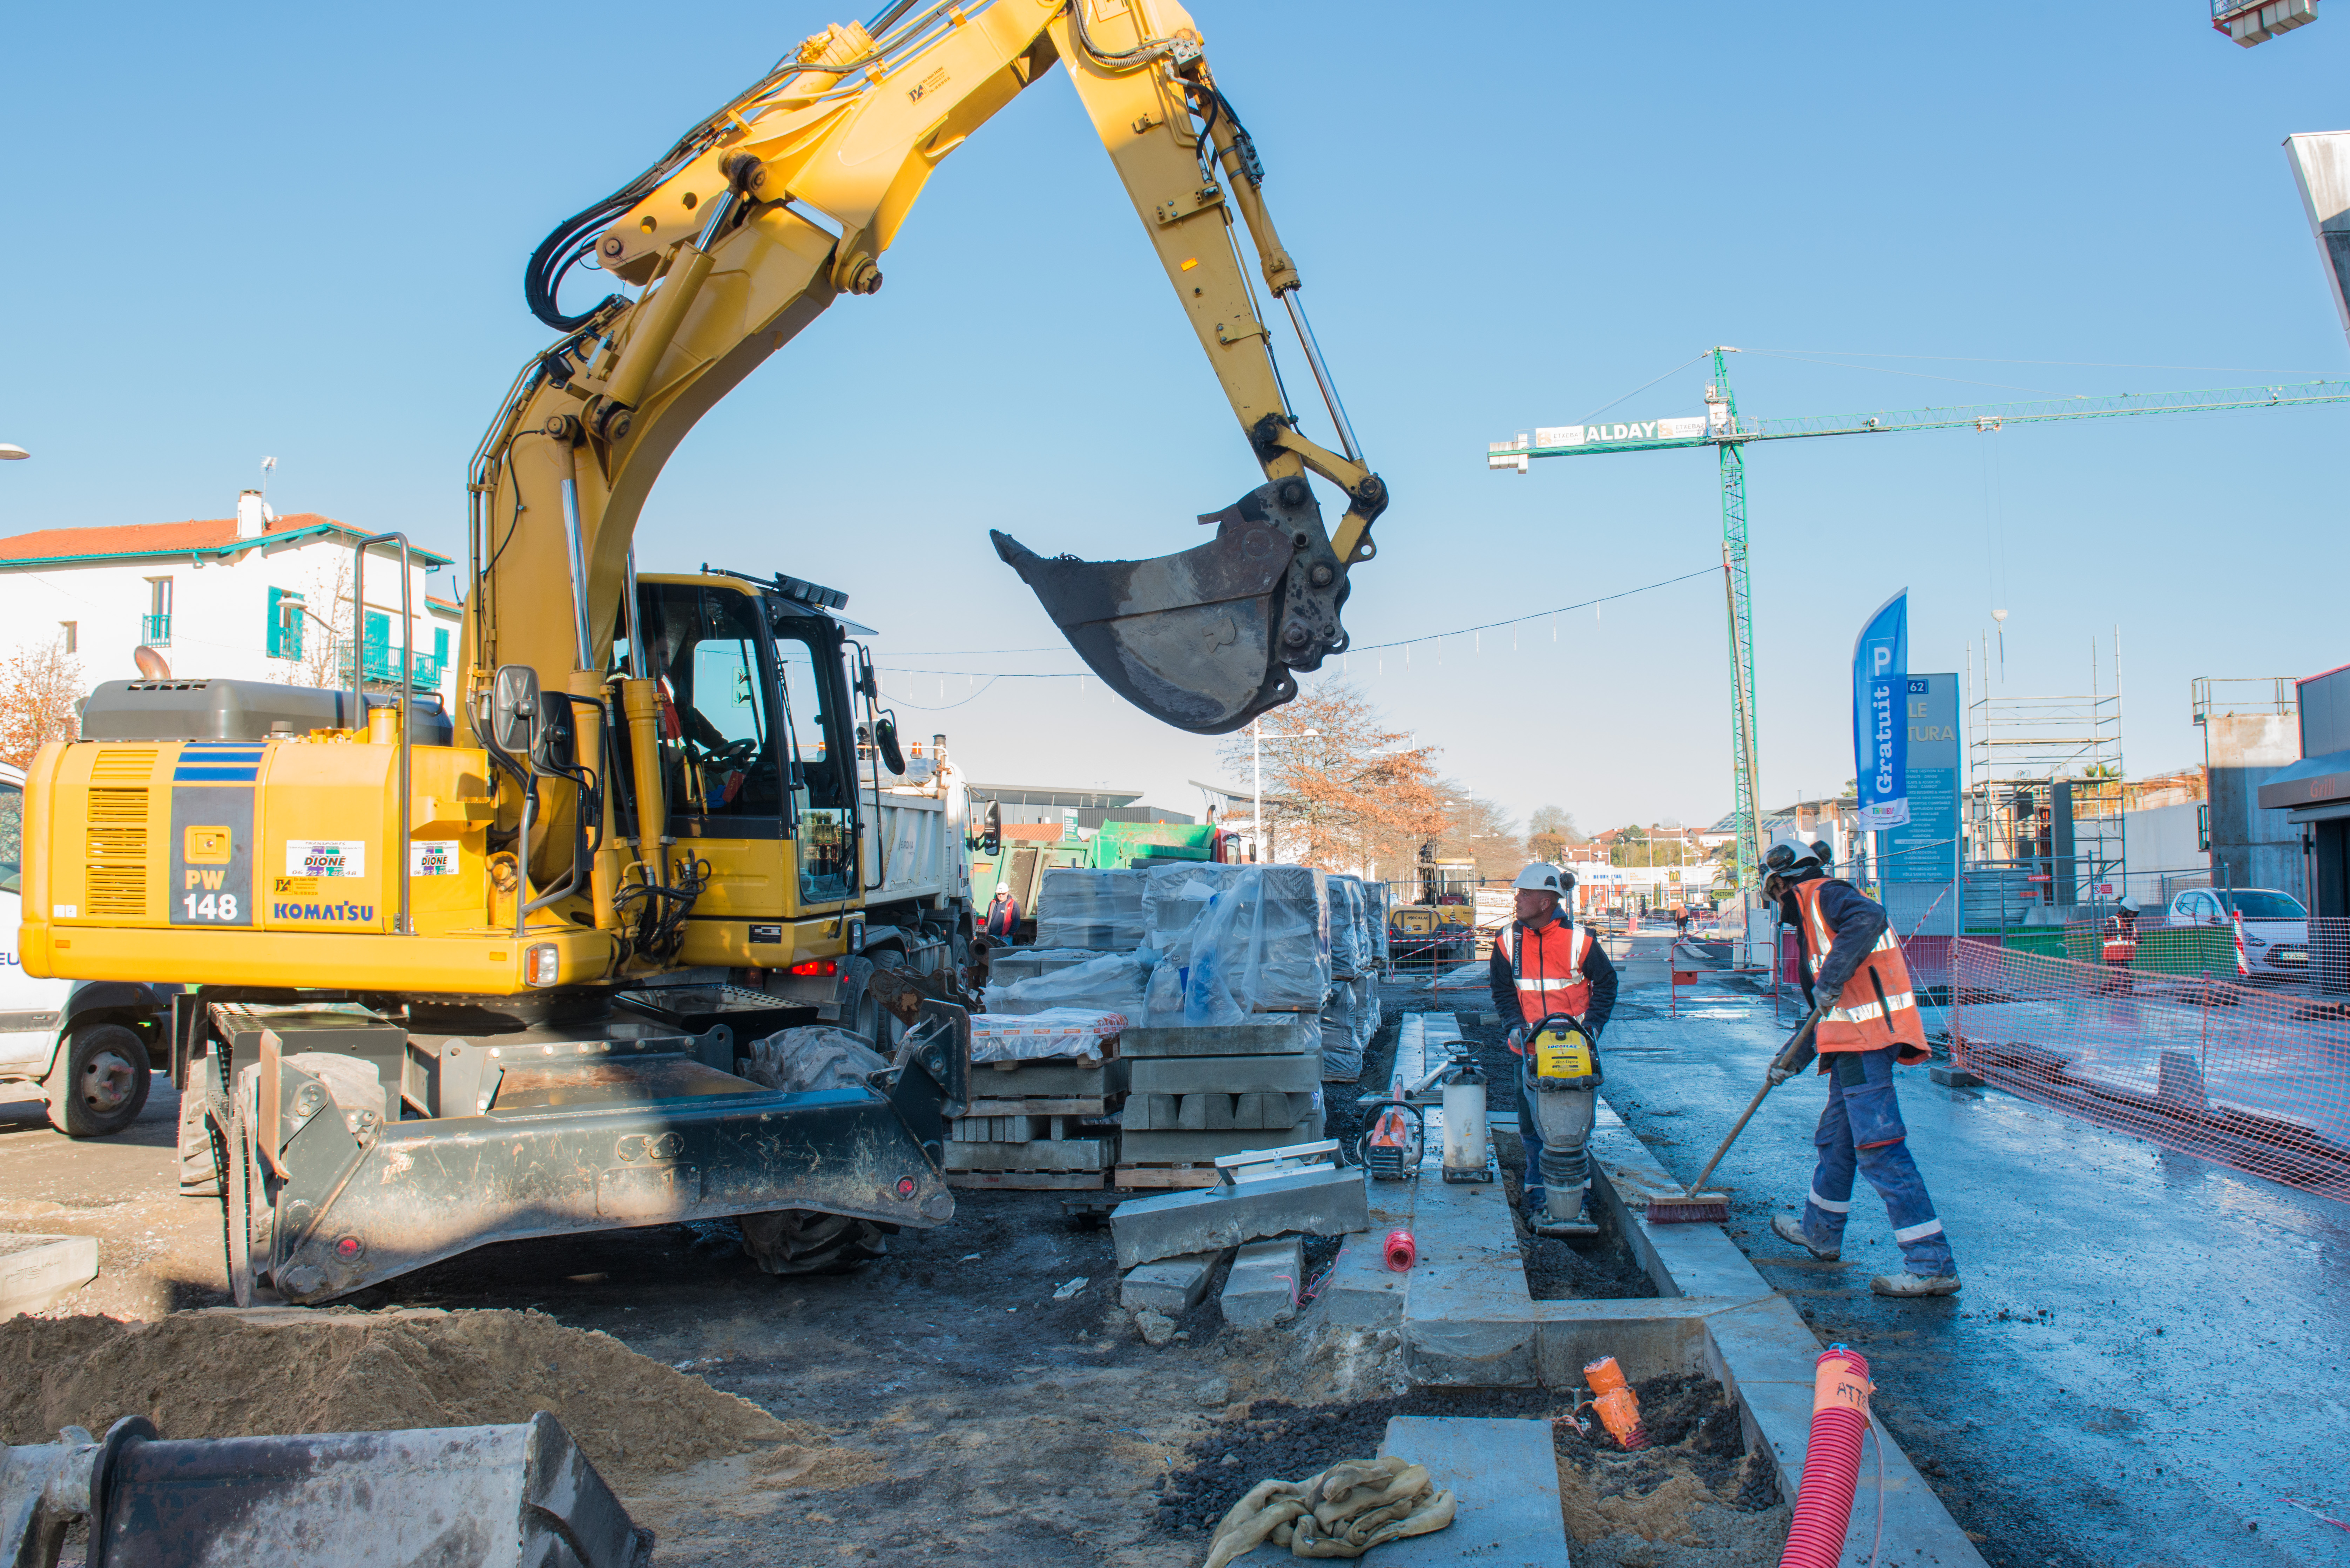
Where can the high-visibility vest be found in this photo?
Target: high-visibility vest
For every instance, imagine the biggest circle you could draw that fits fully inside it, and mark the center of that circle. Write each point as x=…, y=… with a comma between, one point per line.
x=1878, y=1006
x=1548, y=962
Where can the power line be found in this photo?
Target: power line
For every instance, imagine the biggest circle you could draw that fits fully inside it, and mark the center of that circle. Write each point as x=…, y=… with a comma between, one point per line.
x=993, y=675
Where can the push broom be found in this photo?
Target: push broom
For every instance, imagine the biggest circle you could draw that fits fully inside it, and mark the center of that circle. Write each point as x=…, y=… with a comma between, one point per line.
x=1694, y=1207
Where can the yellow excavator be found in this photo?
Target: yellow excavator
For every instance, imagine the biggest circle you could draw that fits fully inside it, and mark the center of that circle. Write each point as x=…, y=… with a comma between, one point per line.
x=434, y=959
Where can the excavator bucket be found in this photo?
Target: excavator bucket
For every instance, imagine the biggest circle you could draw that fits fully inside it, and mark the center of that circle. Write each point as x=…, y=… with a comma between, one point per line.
x=486, y=1497
x=1204, y=639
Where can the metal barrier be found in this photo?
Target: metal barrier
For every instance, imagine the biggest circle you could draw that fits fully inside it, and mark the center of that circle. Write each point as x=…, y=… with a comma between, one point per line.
x=2256, y=1079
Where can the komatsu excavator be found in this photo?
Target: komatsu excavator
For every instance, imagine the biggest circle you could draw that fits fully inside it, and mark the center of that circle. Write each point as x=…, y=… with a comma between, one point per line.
x=426, y=952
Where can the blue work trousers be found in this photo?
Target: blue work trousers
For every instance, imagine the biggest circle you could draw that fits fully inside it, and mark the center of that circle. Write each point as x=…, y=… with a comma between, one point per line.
x=1861, y=1130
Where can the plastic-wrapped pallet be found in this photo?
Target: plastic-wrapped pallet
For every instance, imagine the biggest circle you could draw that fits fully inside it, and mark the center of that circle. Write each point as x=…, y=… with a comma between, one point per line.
x=1349, y=948
x=1376, y=898
x=1174, y=896
x=1264, y=946
x=1050, y=1033
x=1114, y=982
x=1079, y=907
x=1342, y=1037
x=1010, y=966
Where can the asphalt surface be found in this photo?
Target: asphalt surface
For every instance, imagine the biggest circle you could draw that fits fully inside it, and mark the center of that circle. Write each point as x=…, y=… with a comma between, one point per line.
x=2150, y=1361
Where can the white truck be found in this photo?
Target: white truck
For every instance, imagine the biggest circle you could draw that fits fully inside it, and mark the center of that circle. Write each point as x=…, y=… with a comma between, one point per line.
x=88, y=1046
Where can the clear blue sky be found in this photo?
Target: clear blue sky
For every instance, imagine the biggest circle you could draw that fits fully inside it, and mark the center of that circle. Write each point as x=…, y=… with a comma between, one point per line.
x=300, y=230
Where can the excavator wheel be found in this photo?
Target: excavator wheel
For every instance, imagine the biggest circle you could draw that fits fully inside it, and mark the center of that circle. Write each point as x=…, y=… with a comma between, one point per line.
x=804, y=1242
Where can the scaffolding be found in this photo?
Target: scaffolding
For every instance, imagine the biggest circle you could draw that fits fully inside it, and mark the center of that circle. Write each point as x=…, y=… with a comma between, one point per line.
x=2045, y=837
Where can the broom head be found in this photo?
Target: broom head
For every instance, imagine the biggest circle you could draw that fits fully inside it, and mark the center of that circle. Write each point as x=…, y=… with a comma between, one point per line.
x=1689, y=1208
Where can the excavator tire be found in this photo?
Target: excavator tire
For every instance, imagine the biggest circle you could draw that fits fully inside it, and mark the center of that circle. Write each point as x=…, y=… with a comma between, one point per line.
x=804, y=1242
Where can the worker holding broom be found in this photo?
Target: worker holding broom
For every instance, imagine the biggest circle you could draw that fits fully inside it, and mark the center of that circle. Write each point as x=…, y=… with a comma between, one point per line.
x=1867, y=1021
x=1545, y=966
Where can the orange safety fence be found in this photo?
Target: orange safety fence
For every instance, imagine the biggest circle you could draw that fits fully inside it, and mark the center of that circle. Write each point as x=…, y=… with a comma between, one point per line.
x=2255, y=1078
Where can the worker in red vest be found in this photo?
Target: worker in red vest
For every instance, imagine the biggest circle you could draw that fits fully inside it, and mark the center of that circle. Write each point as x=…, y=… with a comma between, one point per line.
x=1851, y=963
x=1003, y=916
x=1544, y=966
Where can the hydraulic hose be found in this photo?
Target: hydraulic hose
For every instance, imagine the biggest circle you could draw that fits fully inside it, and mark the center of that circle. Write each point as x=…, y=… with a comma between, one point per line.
x=1832, y=1463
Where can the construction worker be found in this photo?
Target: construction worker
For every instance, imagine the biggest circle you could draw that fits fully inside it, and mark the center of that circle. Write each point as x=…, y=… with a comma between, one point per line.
x=1546, y=965
x=1851, y=963
x=1003, y=917
x=2120, y=945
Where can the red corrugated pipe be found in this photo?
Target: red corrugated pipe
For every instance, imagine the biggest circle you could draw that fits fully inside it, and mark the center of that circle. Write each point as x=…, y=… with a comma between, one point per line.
x=1832, y=1463
x=1401, y=1251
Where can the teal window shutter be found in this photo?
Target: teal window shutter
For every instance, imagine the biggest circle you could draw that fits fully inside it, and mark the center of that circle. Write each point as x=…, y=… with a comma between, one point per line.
x=284, y=624
x=441, y=646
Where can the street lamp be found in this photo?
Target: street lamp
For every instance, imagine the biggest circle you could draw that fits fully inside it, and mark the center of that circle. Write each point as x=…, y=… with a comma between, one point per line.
x=1257, y=737
x=10, y=452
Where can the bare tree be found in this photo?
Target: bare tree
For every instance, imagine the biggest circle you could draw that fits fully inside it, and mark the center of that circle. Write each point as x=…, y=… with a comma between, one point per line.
x=1356, y=793
x=40, y=686
x=1480, y=830
x=323, y=591
x=1549, y=831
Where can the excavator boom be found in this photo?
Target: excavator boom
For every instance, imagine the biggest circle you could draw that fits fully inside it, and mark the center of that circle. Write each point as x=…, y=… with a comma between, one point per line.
x=762, y=216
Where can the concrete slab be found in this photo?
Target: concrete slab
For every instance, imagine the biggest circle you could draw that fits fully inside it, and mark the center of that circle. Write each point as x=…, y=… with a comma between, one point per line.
x=1284, y=1075
x=36, y=1271
x=993, y=1080
x=1310, y=1202
x=1266, y=1281
x=1283, y=1034
x=1155, y=1147
x=1952, y=1077
x=1169, y=1284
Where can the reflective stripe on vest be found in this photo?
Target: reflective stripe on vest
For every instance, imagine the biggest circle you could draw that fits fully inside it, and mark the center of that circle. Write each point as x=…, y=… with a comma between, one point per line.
x=1555, y=958
x=1858, y=1020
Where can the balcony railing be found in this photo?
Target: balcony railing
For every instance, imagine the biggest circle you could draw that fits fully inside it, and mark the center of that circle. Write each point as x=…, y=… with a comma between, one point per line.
x=379, y=664
x=155, y=630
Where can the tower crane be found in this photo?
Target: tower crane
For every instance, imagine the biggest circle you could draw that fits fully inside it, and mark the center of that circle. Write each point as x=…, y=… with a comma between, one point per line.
x=1723, y=428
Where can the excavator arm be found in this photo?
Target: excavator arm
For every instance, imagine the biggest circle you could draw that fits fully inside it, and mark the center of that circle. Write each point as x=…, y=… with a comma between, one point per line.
x=787, y=198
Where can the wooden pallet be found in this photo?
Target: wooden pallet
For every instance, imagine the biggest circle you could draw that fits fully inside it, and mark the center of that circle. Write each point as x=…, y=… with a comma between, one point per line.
x=1030, y=1180
x=1167, y=1175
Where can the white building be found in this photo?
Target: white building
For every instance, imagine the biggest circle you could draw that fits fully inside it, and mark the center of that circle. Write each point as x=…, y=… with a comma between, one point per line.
x=256, y=596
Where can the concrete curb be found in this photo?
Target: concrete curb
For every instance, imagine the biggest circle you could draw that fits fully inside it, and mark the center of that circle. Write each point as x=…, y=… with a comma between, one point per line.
x=37, y=1272
x=1469, y=1320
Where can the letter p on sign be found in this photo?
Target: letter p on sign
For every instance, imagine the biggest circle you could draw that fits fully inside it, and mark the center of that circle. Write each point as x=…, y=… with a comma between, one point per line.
x=1882, y=658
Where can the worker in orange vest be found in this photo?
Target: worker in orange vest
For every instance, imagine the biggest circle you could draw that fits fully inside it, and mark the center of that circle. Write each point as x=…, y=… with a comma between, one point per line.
x=1546, y=966
x=1852, y=964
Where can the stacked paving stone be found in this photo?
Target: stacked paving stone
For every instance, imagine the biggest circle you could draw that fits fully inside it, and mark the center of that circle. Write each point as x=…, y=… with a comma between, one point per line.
x=1080, y=908
x=1196, y=1095
x=1038, y=1124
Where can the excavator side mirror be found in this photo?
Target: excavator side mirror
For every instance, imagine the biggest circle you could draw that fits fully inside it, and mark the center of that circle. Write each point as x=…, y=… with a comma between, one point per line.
x=885, y=743
x=515, y=710
x=991, y=841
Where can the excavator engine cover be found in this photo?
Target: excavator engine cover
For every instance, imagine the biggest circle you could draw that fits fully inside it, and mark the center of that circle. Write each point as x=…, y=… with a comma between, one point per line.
x=1204, y=639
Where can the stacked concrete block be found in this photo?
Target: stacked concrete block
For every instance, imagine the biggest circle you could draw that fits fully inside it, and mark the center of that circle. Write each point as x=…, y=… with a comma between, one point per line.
x=1348, y=1021
x=1080, y=908
x=1350, y=938
x=1199, y=1093
x=1262, y=945
x=1037, y=1123
x=1010, y=966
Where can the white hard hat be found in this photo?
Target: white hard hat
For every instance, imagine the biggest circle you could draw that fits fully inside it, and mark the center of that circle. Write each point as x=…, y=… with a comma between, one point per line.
x=1544, y=878
x=2128, y=903
x=1789, y=851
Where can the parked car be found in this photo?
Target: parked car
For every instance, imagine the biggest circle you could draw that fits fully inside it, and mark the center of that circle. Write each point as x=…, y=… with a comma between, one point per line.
x=2276, y=927
x=88, y=1046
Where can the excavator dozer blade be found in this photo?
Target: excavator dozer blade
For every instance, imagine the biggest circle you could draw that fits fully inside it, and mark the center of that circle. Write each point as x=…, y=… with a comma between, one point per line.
x=1204, y=639
x=488, y=1496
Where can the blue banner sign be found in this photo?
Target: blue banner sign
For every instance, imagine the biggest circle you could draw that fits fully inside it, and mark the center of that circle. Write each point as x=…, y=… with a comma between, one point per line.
x=1880, y=679
x=1925, y=848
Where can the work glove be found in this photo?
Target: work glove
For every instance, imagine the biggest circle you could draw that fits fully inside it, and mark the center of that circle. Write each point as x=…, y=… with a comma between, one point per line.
x=1778, y=1074
x=1516, y=1040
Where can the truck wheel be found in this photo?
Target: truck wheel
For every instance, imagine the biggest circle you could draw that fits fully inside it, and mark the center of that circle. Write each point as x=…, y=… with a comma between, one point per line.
x=199, y=1171
x=876, y=1022
x=804, y=1242
x=99, y=1082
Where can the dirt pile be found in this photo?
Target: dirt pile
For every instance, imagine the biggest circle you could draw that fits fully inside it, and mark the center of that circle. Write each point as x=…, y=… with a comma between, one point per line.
x=220, y=1374
x=1693, y=1497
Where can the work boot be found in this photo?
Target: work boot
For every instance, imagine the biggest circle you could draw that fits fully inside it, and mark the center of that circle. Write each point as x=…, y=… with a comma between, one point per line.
x=1915, y=1285
x=1791, y=1229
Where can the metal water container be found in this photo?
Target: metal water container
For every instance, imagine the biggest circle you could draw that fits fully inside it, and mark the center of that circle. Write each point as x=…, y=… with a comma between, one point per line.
x=1467, y=1141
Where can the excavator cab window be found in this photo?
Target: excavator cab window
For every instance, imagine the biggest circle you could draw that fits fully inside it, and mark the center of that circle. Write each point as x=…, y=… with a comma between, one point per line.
x=815, y=720
x=720, y=760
